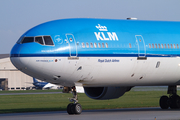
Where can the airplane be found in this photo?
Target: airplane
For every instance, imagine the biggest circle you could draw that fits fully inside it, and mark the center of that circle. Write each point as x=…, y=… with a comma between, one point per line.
x=105, y=57
x=43, y=85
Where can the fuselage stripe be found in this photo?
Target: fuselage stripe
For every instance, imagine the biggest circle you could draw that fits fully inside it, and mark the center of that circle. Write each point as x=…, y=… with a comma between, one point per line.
x=94, y=55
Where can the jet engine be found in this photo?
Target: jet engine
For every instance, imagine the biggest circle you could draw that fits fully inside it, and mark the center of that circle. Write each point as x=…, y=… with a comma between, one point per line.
x=104, y=93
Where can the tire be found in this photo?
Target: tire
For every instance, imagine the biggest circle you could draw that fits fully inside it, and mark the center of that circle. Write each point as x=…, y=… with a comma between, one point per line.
x=77, y=108
x=163, y=102
x=69, y=109
x=174, y=102
x=178, y=102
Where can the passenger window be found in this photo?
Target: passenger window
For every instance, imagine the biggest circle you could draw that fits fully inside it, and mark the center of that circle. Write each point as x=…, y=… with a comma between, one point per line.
x=159, y=45
x=165, y=46
x=106, y=45
x=174, y=46
x=83, y=45
x=129, y=45
x=156, y=45
x=99, y=45
x=168, y=46
x=103, y=45
x=153, y=45
x=87, y=45
x=70, y=39
x=95, y=45
x=177, y=46
x=48, y=40
x=91, y=45
x=162, y=46
x=149, y=45
x=39, y=40
x=28, y=40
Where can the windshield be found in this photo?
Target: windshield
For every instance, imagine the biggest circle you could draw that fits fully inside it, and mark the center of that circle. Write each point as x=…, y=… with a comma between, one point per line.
x=39, y=40
x=28, y=40
x=43, y=40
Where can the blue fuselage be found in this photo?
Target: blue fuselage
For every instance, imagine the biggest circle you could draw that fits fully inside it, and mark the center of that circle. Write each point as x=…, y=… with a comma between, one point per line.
x=92, y=51
x=119, y=36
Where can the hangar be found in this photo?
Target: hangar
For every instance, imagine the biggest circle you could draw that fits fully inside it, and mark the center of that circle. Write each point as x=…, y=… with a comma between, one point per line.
x=10, y=77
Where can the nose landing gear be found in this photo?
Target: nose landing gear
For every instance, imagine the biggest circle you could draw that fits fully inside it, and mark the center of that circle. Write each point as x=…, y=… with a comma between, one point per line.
x=173, y=101
x=75, y=107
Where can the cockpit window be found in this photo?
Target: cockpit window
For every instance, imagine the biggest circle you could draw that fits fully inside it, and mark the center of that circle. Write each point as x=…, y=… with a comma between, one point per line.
x=43, y=40
x=20, y=39
x=39, y=40
x=48, y=40
x=28, y=40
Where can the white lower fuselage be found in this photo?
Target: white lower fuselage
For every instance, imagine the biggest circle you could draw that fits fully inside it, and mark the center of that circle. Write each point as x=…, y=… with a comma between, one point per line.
x=103, y=71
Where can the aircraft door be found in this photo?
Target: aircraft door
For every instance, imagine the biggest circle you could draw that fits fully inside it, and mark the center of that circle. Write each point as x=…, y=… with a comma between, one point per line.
x=141, y=46
x=72, y=45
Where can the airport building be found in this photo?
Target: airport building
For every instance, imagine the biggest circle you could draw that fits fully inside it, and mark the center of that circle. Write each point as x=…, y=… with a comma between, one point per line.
x=10, y=77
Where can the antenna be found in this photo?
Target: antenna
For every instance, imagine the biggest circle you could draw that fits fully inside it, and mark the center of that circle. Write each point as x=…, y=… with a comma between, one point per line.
x=131, y=18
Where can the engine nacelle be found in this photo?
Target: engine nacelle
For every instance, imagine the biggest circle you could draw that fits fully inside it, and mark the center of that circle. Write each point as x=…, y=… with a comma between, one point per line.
x=104, y=93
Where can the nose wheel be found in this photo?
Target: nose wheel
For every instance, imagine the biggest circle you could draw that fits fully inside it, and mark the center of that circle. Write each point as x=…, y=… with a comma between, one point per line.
x=74, y=108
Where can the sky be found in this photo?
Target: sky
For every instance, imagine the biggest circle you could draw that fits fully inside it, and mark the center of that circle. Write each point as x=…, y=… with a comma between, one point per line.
x=18, y=16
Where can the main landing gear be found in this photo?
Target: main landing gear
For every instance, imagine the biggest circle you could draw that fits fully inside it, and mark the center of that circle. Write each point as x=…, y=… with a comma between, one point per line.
x=74, y=108
x=173, y=101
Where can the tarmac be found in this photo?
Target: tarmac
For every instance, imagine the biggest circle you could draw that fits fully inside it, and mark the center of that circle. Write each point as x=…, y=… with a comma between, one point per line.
x=108, y=114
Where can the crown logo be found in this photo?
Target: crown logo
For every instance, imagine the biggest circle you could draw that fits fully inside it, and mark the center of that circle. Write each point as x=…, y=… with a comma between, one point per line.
x=101, y=28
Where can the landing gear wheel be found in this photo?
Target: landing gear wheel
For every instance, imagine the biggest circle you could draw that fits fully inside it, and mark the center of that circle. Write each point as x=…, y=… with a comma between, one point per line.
x=174, y=102
x=74, y=109
x=163, y=102
x=69, y=109
x=178, y=102
x=77, y=108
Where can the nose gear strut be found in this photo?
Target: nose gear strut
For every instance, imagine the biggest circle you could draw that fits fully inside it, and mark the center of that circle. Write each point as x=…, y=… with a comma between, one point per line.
x=75, y=107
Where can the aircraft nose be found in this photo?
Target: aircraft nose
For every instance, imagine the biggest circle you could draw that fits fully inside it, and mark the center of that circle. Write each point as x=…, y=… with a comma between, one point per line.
x=16, y=62
x=14, y=56
x=18, y=56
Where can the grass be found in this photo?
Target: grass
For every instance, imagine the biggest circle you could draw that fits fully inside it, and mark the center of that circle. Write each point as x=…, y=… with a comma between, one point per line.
x=57, y=102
